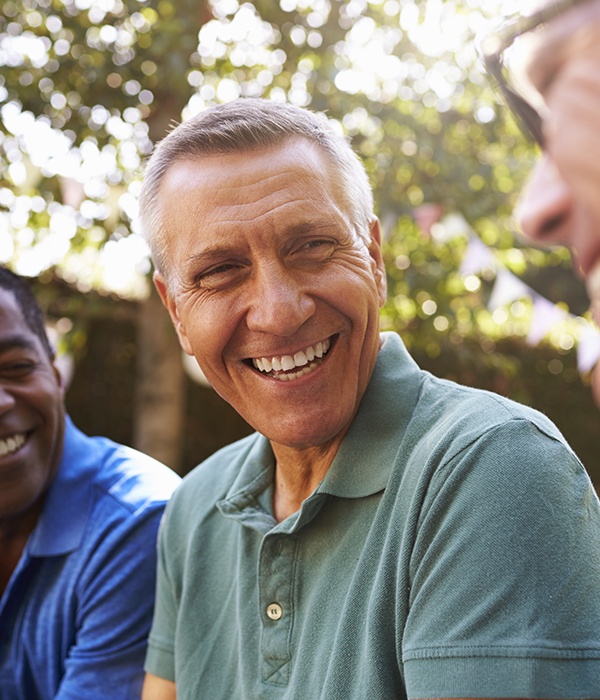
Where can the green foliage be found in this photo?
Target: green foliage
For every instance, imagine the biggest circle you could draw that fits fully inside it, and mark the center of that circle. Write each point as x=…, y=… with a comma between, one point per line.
x=401, y=78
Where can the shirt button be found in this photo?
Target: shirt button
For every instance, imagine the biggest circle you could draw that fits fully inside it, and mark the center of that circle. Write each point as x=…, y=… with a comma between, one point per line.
x=274, y=611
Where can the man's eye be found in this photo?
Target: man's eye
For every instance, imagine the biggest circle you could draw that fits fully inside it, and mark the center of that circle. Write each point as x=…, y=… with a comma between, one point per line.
x=317, y=246
x=221, y=274
x=221, y=269
x=17, y=369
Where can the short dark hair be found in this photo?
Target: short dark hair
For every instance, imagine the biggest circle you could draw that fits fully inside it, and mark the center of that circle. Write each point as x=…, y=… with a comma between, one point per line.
x=22, y=291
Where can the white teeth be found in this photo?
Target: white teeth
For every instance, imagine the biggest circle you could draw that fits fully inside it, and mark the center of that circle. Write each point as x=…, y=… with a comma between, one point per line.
x=287, y=363
x=301, y=360
x=11, y=444
x=263, y=364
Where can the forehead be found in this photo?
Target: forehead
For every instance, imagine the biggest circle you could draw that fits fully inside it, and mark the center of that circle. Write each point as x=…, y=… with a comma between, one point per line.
x=551, y=37
x=269, y=185
x=239, y=172
x=538, y=55
x=14, y=330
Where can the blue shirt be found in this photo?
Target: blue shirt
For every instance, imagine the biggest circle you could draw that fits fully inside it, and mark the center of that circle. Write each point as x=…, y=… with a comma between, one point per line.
x=76, y=613
x=451, y=551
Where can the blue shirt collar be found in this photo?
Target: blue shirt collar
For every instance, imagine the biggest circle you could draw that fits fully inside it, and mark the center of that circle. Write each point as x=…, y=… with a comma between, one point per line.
x=63, y=520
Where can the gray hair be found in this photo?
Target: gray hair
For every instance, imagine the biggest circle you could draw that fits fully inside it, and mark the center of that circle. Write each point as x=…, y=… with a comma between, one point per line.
x=241, y=126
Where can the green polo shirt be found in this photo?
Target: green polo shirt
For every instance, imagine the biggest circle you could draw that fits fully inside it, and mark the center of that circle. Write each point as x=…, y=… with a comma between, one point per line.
x=452, y=550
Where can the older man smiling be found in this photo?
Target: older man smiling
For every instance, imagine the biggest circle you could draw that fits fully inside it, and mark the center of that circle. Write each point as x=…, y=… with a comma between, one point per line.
x=384, y=534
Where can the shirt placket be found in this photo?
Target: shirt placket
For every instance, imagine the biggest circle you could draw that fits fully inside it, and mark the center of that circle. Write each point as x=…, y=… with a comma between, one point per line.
x=276, y=566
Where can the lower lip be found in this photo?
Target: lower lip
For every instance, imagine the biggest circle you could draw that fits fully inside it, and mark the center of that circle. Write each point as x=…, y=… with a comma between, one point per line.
x=292, y=376
x=11, y=472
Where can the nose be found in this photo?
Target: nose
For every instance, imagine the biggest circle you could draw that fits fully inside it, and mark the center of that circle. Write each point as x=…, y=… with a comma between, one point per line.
x=279, y=303
x=545, y=210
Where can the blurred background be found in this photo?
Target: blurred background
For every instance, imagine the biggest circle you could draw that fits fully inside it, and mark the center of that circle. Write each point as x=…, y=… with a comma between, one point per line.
x=87, y=87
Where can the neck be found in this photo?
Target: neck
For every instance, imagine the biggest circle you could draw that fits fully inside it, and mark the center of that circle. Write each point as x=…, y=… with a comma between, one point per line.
x=14, y=533
x=298, y=472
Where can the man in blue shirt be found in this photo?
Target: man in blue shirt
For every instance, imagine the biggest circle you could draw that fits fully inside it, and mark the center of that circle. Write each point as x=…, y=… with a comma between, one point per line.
x=78, y=523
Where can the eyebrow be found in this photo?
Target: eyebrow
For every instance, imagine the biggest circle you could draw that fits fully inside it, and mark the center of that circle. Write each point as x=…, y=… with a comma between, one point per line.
x=17, y=342
x=223, y=251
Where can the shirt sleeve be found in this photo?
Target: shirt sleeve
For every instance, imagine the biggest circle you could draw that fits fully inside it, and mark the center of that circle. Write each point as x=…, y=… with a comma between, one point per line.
x=114, y=609
x=160, y=657
x=505, y=574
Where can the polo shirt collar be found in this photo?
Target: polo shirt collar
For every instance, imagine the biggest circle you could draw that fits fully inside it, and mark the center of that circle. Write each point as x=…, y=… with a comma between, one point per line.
x=368, y=451
x=364, y=461
x=62, y=523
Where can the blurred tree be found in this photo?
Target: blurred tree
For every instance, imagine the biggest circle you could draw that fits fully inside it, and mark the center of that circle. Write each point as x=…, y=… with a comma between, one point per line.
x=89, y=85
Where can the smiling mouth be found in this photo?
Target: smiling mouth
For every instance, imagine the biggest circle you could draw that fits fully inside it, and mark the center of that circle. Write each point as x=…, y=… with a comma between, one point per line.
x=288, y=367
x=12, y=444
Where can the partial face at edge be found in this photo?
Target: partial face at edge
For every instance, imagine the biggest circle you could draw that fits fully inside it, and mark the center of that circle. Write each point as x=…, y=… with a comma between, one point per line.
x=271, y=289
x=560, y=204
x=31, y=414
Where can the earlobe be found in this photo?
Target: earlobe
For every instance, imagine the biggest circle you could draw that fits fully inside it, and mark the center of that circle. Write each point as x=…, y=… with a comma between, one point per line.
x=171, y=306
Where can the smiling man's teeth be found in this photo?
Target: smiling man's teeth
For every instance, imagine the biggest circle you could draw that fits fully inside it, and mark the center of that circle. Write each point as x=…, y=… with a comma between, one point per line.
x=303, y=361
x=11, y=444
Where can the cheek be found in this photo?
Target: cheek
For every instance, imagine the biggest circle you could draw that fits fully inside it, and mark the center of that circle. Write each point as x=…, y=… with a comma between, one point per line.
x=208, y=327
x=574, y=128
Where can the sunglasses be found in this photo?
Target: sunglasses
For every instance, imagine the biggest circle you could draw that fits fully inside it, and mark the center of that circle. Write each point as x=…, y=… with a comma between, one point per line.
x=492, y=48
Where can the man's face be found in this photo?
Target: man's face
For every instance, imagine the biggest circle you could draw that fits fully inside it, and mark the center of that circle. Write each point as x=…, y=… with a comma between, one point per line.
x=271, y=289
x=31, y=415
x=561, y=203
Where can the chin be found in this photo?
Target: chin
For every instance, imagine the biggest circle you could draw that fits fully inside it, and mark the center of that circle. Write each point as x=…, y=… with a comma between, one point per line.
x=306, y=439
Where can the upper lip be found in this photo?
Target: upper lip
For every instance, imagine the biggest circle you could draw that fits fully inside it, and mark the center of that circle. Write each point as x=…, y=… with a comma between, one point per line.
x=592, y=279
x=585, y=250
x=586, y=264
x=11, y=433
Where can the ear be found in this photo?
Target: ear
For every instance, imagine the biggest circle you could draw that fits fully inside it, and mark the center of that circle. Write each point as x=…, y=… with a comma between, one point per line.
x=377, y=260
x=61, y=380
x=171, y=306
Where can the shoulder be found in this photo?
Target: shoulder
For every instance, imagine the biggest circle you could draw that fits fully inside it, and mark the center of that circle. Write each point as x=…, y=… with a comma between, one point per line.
x=195, y=501
x=461, y=436
x=133, y=478
x=210, y=480
x=460, y=416
x=120, y=474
